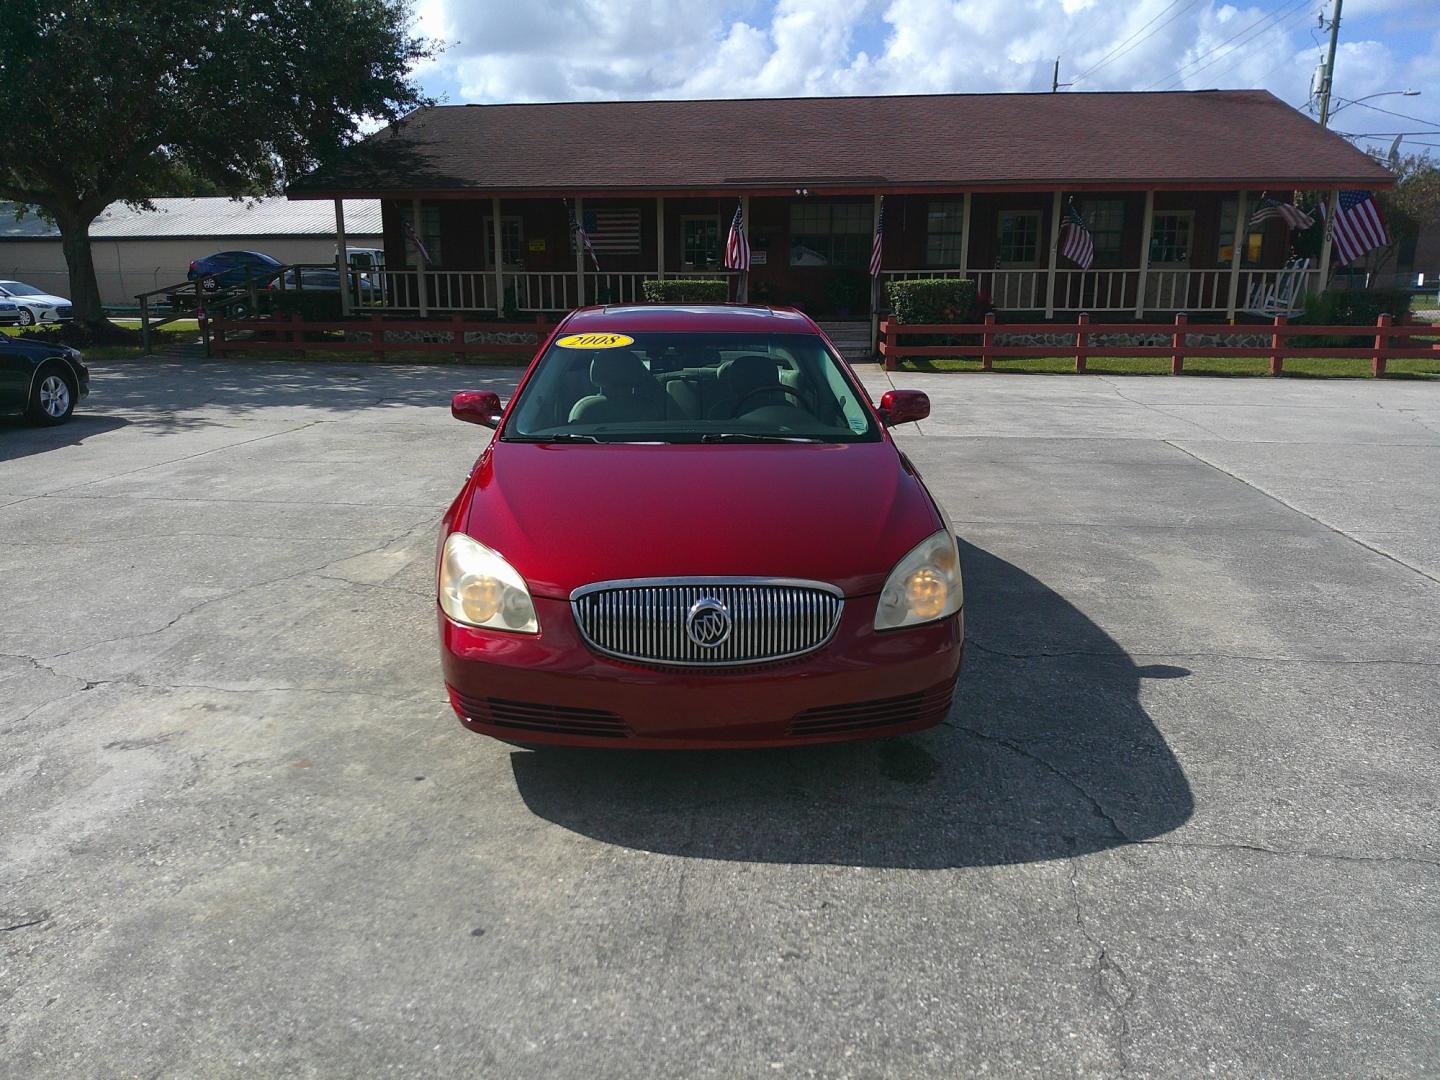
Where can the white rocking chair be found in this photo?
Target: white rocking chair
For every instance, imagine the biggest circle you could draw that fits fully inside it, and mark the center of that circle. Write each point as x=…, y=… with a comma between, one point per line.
x=1285, y=297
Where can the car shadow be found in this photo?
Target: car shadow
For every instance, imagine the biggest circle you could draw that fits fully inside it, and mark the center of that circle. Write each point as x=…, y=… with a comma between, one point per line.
x=19, y=438
x=1047, y=753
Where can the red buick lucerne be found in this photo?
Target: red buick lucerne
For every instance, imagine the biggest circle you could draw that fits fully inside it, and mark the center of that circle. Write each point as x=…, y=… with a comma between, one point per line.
x=691, y=529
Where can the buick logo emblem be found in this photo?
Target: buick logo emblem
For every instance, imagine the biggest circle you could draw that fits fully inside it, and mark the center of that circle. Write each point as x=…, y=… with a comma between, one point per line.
x=708, y=622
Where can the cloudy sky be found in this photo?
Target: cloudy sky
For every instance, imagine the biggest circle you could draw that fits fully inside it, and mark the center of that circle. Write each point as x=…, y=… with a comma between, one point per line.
x=570, y=50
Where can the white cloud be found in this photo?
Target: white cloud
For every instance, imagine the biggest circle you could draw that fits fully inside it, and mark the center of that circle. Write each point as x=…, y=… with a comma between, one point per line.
x=597, y=49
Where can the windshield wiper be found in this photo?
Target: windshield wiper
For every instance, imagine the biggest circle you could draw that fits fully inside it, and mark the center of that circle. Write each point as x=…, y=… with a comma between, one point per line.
x=747, y=436
x=559, y=436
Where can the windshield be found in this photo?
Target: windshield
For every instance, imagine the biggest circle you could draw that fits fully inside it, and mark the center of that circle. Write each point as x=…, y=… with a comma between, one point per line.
x=690, y=387
x=19, y=288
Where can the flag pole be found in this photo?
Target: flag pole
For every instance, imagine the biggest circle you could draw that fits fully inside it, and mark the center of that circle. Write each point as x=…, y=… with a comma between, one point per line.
x=742, y=289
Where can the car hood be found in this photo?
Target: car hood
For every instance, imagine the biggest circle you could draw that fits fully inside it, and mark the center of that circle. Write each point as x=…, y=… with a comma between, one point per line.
x=43, y=299
x=567, y=515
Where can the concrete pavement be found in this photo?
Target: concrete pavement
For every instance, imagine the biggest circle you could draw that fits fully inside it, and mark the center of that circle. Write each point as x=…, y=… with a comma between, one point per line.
x=1182, y=820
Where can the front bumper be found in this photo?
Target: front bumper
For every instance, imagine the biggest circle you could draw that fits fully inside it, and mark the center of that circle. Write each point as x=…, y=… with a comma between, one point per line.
x=551, y=688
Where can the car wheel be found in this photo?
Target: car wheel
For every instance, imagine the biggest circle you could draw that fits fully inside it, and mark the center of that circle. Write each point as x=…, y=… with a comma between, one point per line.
x=210, y=285
x=27, y=317
x=52, y=399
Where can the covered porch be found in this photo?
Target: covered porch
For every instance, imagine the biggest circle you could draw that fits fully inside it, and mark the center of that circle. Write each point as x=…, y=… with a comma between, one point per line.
x=1157, y=251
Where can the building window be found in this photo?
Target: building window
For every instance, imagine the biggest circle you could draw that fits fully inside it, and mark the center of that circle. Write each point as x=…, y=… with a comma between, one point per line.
x=1170, y=238
x=699, y=242
x=1254, y=238
x=512, y=241
x=1105, y=218
x=830, y=234
x=944, y=233
x=1018, y=235
x=429, y=233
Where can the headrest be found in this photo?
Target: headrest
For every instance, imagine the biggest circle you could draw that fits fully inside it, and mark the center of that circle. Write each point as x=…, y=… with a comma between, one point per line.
x=748, y=372
x=617, y=367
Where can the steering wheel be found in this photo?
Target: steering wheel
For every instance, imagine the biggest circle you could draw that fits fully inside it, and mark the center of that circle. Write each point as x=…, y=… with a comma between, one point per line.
x=799, y=397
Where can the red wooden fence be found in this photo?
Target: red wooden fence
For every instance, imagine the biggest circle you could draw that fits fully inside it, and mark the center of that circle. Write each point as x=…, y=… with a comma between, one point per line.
x=1381, y=350
x=289, y=335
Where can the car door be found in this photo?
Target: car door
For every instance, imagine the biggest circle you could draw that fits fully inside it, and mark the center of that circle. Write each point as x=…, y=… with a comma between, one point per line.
x=16, y=368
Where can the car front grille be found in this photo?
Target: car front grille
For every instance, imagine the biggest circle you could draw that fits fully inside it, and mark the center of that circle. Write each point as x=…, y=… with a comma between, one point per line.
x=707, y=622
x=926, y=705
x=550, y=719
x=63, y=311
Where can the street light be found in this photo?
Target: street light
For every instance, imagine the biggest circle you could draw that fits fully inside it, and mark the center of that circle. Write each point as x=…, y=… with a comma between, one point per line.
x=1384, y=93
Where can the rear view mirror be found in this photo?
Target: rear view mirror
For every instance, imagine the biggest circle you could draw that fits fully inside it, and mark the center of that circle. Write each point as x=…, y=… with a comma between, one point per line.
x=476, y=407
x=903, y=407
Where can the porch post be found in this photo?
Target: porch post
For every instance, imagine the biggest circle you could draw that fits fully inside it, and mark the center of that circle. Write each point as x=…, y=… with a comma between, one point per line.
x=965, y=234
x=342, y=257
x=1146, y=227
x=660, y=236
x=416, y=223
x=1054, y=255
x=1237, y=241
x=496, y=233
x=1332, y=201
x=742, y=288
x=875, y=286
x=579, y=254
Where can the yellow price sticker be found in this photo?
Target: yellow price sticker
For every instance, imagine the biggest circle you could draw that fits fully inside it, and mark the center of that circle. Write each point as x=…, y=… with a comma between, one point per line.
x=595, y=341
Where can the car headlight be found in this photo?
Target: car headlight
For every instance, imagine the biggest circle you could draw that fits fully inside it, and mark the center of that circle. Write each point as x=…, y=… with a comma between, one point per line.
x=924, y=586
x=479, y=588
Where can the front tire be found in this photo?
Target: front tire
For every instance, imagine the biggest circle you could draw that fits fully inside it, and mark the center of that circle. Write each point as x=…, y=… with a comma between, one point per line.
x=27, y=317
x=52, y=398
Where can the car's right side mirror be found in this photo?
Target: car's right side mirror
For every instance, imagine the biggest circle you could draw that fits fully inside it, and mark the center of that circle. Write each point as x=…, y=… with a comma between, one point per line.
x=477, y=407
x=903, y=406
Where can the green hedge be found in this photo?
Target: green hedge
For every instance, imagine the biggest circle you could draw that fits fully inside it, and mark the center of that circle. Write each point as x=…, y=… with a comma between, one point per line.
x=932, y=300
x=687, y=290
x=1350, y=307
x=315, y=305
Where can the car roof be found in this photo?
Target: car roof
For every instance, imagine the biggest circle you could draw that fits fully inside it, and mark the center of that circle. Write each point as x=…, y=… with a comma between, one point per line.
x=694, y=318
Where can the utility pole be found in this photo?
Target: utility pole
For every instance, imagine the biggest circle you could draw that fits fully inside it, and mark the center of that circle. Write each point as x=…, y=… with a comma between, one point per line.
x=1329, y=80
x=1055, y=78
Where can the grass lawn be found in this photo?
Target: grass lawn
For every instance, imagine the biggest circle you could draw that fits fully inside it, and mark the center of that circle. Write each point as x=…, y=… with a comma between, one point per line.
x=1427, y=301
x=1300, y=367
x=176, y=333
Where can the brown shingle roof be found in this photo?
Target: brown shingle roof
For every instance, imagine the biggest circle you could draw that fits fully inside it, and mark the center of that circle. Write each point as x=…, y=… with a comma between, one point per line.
x=1183, y=139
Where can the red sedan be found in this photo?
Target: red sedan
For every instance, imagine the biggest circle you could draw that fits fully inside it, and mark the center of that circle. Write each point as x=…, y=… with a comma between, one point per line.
x=692, y=530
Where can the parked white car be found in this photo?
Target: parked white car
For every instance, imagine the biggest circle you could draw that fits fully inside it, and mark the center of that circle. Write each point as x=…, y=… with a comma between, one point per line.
x=36, y=305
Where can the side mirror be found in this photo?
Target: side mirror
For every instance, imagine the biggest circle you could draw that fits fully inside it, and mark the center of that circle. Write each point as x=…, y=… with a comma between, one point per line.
x=476, y=407
x=903, y=407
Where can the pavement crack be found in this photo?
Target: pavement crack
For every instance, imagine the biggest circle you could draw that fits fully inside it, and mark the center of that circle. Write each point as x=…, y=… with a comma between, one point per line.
x=22, y=925
x=1120, y=655
x=1110, y=979
x=1310, y=517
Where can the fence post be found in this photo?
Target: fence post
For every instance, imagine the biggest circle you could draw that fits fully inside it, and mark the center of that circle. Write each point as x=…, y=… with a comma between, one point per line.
x=1082, y=335
x=457, y=337
x=1177, y=344
x=1382, y=343
x=892, y=339
x=297, y=332
x=218, y=341
x=145, y=324
x=1277, y=347
x=377, y=337
x=987, y=342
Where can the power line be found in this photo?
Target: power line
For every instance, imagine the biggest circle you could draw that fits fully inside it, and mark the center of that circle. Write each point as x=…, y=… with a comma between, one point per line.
x=1277, y=18
x=1179, y=74
x=1235, y=56
x=1120, y=50
x=1392, y=112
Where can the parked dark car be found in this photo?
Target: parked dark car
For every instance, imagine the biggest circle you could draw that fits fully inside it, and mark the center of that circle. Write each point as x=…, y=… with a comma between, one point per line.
x=229, y=268
x=41, y=379
x=321, y=279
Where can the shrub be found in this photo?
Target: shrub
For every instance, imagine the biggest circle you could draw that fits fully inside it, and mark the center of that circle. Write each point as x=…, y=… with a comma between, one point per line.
x=932, y=300
x=1350, y=307
x=687, y=290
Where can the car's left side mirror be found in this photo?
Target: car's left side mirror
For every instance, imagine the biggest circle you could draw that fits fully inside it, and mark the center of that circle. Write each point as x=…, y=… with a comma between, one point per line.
x=477, y=407
x=903, y=407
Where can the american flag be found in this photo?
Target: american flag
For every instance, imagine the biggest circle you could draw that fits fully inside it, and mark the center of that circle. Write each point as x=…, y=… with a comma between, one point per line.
x=1075, y=242
x=1358, y=226
x=580, y=236
x=616, y=230
x=879, y=242
x=1292, y=215
x=737, y=248
x=409, y=228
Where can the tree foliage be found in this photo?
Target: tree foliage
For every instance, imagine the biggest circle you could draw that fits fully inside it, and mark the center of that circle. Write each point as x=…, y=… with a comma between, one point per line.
x=123, y=99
